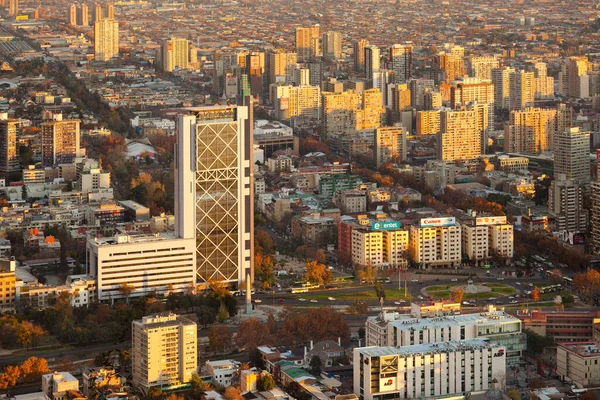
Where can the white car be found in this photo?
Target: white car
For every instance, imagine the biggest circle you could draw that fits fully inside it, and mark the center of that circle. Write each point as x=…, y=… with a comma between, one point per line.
x=500, y=279
x=420, y=297
x=454, y=280
x=492, y=298
x=397, y=303
x=331, y=298
x=301, y=299
x=313, y=301
x=511, y=297
x=514, y=302
x=466, y=303
x=518, y=283
x=258, y=301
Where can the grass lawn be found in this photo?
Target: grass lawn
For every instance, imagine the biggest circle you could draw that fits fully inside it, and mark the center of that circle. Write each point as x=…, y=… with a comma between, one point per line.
x=497, y=290
x=390, y=294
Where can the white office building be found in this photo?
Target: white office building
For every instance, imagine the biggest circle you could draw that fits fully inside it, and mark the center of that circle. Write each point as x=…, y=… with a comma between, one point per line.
x=428, y=370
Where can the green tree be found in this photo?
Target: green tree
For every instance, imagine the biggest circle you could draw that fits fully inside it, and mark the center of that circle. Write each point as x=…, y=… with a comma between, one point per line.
x=537, y=343
x=379, y=291
x=567, y=299
x=198, y=386
x=265, y=382
x=315, y=365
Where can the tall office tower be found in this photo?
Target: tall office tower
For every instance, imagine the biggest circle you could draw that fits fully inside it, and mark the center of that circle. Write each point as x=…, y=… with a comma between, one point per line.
x=572, y=155
x=481, y=67
x=254, y=68
x=13, y=7
x=370, y=109
x=372, y=60
x=307, y=43
x=97, y=13
x=565, y=203
x=278, y=63
x=339, y=113
x=244, y=89
x=533, y=130
x=390, y=144
x=359, y=54
x=501, y=81
x=459, y=137
x=594, y=237
x=418, y=87
x=522, y=90
x=573, y=80
x=400, y=97
x=468, y=90
x=296, y=101
x=383, y=80
x=332, y=45
x=73, y=15
x=544, y=84
x=83, y=15
x=174, y=54
x=110, y=11
x=10, y=130
x=214, y=199
x=401, y=59
x=163, y=350
x=60, y=141
x=451, y=63
x=106, y=39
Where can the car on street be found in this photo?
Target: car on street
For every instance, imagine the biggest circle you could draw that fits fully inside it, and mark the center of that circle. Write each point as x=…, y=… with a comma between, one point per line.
x=258, y=301
x=301, y=299
x=331, y=298
x=281, y=300
x=420, y=297
x=313, y=301
x=466, y=303
x=397, y=303
x=414, y=280
x=518, y=283
x=500, y=279
x=511, y=297
x=492, y=298
x=453, y=280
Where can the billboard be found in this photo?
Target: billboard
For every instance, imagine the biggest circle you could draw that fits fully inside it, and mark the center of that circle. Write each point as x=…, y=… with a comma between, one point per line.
x=22, y=17
x=490, y=220
x=444, y=221
x=385, y=225
x=576, y=238
x=387, y=384
x=597, y=154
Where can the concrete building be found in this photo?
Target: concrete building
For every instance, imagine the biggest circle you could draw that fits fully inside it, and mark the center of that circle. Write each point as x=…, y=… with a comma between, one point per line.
x=312, y=229
x=532, y=130
x=351, y=201
x=395, y=329
x=292, y=102
x=572, y=155
x=451, y=63
x=91, y=177
x=579, y=363
x=106, y=39
x=272, y=136
x=487, y=236
x=8, y=294
x=31, y=175
x=469, y=90
x=544, y=84
x=359, y=54
x=147, y=263
x=390, y=145
x=594, y=237
x=460, y=137
x=436, y=242
x=56, y=385
x=428, y=370
x=428, y=122
x=562, y=326
x=372, y=61
x=401, y=59
x=501, y=81
x=163, y=351
x=418, y=88
x=10, y=130
x=481, y=66
x=174, y=54
x=573, y=80
x=222, y=372
x=379, y=243
x=565, y=203
x=60, y=141
x=214, y=182
x=307, y=42
x=279, y=164
x=332, y=45
x=277, y=65
x=522, y=90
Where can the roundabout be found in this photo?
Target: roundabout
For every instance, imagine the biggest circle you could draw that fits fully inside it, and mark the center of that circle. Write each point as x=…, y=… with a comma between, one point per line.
x=471, y=290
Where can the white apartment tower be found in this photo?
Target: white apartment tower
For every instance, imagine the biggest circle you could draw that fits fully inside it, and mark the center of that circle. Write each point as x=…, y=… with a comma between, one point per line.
x=572, y=154
x=214, y=190
x=164, y=350
x=174, y=54
x=565, y=202
x=501, y=81
x=522, y=90
x=332, y=45
x=401, y=59
x=372, y=61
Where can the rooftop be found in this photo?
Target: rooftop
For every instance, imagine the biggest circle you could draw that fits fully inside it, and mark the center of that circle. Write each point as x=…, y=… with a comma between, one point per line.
x=584, y=349
x=446, y=347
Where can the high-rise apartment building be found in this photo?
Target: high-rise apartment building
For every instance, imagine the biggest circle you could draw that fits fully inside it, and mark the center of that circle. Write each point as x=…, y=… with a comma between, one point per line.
x=470, y=90
x=572, y=154
x=565, y=203
x=174, y=54
x=13, y=7
x=339, y=113
x=106, y=39
x=532, y=130
x=97, y=13
x=332, y=45
x=214, y=190
x=372, y=61
x=401, y=99
x=574, y=77
x=418, y=88
x=401, y=61
x=10, y=130
x=359, y=54
x=60, y=141
x=278, y=62
x=481, y=66
x=73, y=15
x=594, y=237
x=522, y=90
x=163, y=350
x=390, y=144
x=83, y=15
x=501, y=81
x=370, y=110
x=452, y=63
x=307, y=42
x=459, y=137
x=428, y=122
x=544, y=84
x=302, y=101
x=110, y=11
x=436, y=242
x=383, y=80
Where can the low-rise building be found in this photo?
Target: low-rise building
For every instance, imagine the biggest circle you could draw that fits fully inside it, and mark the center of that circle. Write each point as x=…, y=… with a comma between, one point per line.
x=562, y=326
x=222, y=372
x=485, y=237
x=579, y=363
x=351, y=201
x=56, y=385
x=135, y=211
x=313, y=228
x=100, y=378
x=436, y=242
x=279, y=164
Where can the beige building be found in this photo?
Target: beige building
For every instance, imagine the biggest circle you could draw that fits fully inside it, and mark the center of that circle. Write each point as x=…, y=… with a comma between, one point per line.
x=574, y=77
x=401, y=58
x=544, y=84
x=174, y=54
x=579, y=363
x=572, y=154
x=296, y=101
x=106, y=39
x=8, y=292
x=469, y=90
x=428, y=122
x=390, y=144
x=351, y=201
x=307, y=42
x=332, y=45
x=522, y=90
x=56, y=385
x=481, y=66
x=487, y=236
x=164, y=350
x=278, y=63
x=565, y=203
x=501, y=81
x=436, y=242
x=533, y=130
x=60, y=141
x=379, y=244
x=359, y=54
x=460, y=136
x=451, y=62
x=147, y=263
x=10, y=130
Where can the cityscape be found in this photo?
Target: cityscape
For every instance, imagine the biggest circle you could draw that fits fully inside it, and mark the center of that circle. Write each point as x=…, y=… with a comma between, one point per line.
x=299, y=200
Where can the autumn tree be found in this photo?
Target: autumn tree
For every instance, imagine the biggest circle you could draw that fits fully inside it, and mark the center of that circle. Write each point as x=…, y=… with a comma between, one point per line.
x=318, y=273
x=9, y=378
x=379, y=291
x=589, y=395
x=514, y=394
x=233, y=393
x=536, y=294
x=174, y=396
x=251, y=334
x=263, y=242
x=219, y=338
x=126, y=290
x=198, y=386
x=556, y=276
x=263, y=268
x=457, y=294
x=315, y=324
x=33, y=368
x=29, y=334
x=358, y=307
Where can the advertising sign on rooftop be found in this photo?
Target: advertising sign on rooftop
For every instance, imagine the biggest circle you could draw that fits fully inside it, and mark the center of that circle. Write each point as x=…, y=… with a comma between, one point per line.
x=441, y=221
x=385, y=225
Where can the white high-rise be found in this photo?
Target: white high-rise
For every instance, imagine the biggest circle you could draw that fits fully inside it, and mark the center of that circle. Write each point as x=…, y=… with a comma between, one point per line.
x=572, y=154
x=106, y=39
x=401, y=58
x=501, y=81
x=214, y=190
x=372, y=61
x=332, y=45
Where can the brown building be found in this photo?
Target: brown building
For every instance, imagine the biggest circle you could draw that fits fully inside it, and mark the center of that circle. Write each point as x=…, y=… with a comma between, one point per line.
x=563, y=326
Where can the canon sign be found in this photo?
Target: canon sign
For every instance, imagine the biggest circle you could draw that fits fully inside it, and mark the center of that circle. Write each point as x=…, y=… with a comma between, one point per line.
x=445, y=221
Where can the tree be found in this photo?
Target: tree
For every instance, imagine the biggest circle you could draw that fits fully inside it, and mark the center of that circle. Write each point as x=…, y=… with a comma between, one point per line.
x=33, y=368
x=589, y=395
x=537, y=343
x=556, y=276
x=155, y=393
x=263, y=242
x=9, y=377
x=514, y=394
x=251, y=334
x=379, y=291
x=233, y=393
x=315, y=324
x=29, y=335
x=318, y=273
x=536, y=294
x=219, y=338
x=358, y=307
x=174, y=396
x=315, y=365
x=199, y=386
x=457, y=294
x=265, y=382
x=125, y=290
x=567, y=299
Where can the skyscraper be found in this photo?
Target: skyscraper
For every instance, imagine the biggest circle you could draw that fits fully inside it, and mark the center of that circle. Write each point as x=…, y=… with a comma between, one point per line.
x=359, y=54
x=277, y=63
x=459, y=137
x=401, y=59
x=390, y=144
x=481, y=67
x=307, y=42
x=372, y=60
x=501, y=81
x=572, y=154
x=97, y=13
x=106, y=39
x=73, y=14
x=544, y=84
x=9, y=144
x=332, y=45
x=451, y=63
x=532, y=130
x=83, y=17
x=214, y=190
x=175, y=54
x=522, y=90
x=594, y=237
x=110, y=11
x=468, y=90
x=574, y=78
x=565, y=202
x=60, y=141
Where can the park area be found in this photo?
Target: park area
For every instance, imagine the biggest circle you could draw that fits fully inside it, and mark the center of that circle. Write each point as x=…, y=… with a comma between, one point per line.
x=482, y=291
